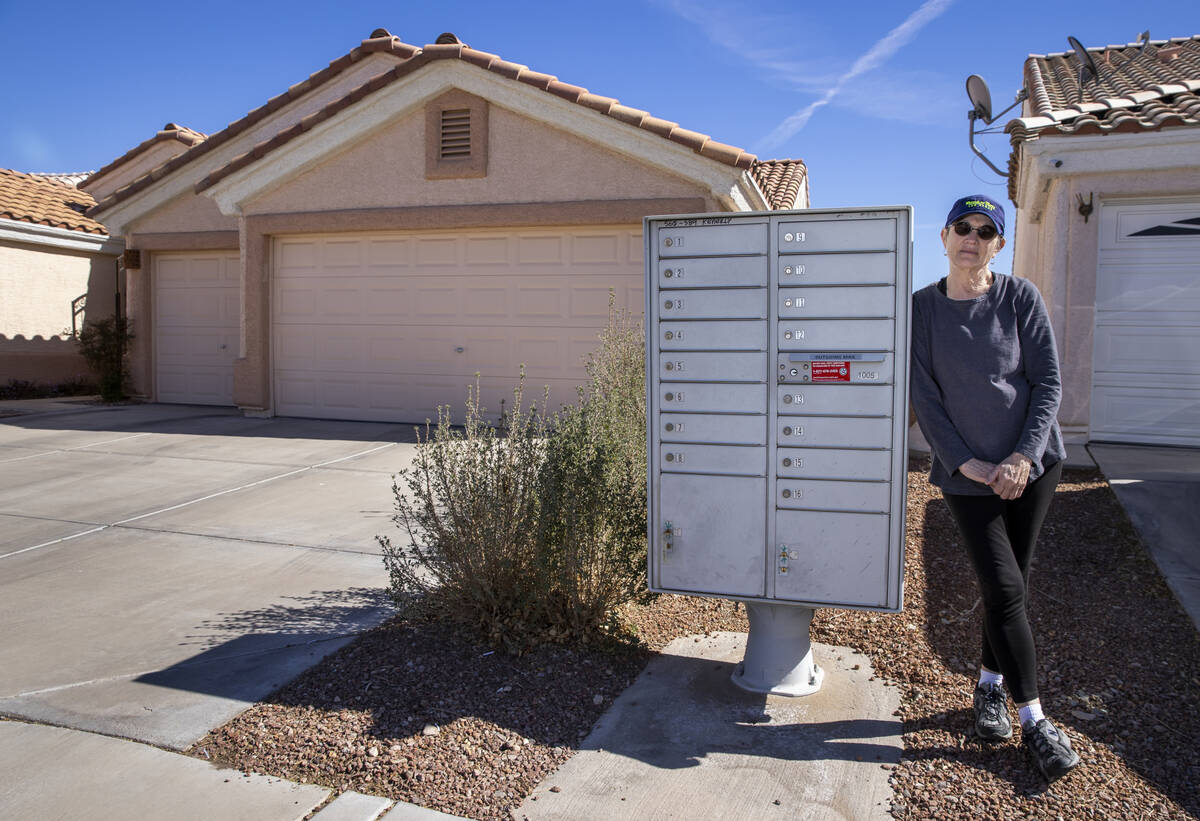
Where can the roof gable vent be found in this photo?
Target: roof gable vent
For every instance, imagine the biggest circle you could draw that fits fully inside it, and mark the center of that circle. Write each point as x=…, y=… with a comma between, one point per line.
x=455, y=142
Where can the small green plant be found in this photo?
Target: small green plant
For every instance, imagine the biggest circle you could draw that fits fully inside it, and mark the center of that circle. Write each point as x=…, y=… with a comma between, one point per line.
x=103, y=344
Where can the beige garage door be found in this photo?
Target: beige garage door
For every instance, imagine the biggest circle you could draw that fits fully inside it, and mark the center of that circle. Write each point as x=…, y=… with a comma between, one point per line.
x=196, y=319
x=1146, y=349
x=390, y=326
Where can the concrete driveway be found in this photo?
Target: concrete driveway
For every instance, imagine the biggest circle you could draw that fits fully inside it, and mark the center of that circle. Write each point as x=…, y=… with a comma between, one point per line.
x=164, y=567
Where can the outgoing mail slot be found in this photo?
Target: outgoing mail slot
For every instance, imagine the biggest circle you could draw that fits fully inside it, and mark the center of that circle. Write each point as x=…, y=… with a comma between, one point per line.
x=831, y=463
x=699, y=397
x=875, y=301
x=837, y=235
x=724, y=429
x=856, y=571
x=838, y=269
x=680, y=240
x=735, y=303
x=708, y=272
x=827, y=367
x=866, y=497
x=712, y=336
x=836, y=431
x=694, y=366
x=835, y=400
x=837, y=335
x=728, y=460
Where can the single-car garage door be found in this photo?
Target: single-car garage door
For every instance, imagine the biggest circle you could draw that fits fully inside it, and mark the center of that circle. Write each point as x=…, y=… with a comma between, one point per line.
x=1146, y=360
x=390, y=326
x=196, y=326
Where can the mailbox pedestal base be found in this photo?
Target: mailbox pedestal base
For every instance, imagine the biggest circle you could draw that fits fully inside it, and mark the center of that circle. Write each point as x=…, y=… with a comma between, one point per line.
x=778, y=657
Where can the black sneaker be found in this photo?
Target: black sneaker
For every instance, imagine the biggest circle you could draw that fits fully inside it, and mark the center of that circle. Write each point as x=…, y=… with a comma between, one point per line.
x=991, y=713
x=1051, y=749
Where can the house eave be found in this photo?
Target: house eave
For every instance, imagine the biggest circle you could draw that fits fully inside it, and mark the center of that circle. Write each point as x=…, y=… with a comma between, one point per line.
x=29, y=233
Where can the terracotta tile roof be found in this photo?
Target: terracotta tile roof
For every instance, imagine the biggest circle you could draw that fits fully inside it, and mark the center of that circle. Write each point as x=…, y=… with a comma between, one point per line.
x=377, y=44
x=780, y=181
x=1140, y=88
x=413, y=58
x=170, y=131
x=44, y=200
x=448, y=47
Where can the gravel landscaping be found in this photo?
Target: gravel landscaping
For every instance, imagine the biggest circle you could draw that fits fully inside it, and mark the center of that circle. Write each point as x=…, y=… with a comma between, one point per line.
x=419, y=711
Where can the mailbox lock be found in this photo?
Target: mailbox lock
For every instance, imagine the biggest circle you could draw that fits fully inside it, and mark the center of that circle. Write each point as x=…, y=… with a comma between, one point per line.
x=787, y=334
x=669, y=335
x=668, y=273
x=787, y=302
x=787, y=463
x=787, y=270
x=788, y=237
x=669, y=397
x=669, y=304
x=794, y=372
x=669, y=533
x=787, y=494
x=787, y=431
x=668, y=242
x=670, y=426
x=670, y=457
x=670, y=366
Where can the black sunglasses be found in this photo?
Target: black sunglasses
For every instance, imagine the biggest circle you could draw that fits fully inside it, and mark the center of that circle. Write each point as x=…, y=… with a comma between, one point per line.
x=985, y=231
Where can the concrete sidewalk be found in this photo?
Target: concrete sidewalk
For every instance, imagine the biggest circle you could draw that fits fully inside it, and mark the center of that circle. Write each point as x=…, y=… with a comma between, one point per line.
x=1160, y=490
x=685, y=742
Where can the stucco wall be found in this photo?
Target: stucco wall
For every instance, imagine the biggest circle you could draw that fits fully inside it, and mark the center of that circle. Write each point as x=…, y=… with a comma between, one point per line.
x=527, y=162
x=38, y=284
x=1060, y=255
x=143, y=163
x=189, y=212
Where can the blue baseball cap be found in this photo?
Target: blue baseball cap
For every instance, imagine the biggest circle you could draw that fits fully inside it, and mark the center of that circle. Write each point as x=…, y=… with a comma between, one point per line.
x=977, y=204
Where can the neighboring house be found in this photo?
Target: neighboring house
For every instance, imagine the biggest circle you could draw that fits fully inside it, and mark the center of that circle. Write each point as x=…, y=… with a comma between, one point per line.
x=1106, y=179
x=367, y=241
x=57, y=269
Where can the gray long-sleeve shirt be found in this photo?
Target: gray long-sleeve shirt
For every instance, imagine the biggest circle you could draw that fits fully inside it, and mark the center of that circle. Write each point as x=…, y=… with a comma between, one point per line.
x=984, y=380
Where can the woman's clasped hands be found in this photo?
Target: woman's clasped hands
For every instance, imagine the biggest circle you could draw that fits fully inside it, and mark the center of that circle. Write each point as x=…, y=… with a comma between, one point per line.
x=1007, y=479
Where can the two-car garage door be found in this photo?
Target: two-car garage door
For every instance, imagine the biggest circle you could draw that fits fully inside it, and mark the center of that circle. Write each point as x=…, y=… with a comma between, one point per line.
x=390, y=326
x=1146, y=348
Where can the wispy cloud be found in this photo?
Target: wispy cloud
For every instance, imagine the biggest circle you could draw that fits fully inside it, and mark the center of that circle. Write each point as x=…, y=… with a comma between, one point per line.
x=874, y=57
x=741, y=33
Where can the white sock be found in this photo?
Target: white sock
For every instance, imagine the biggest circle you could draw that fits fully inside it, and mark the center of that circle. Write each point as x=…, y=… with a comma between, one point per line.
x=987, y=677
x=1031, y=713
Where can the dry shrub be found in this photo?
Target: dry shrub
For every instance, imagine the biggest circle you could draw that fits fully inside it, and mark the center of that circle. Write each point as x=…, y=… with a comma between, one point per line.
x=535, y=530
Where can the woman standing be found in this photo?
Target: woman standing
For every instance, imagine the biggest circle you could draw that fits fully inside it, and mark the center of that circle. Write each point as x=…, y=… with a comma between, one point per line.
x=985, y=387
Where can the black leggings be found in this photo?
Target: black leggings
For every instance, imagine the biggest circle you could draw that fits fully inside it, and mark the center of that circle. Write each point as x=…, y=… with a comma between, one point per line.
x=1000, y=536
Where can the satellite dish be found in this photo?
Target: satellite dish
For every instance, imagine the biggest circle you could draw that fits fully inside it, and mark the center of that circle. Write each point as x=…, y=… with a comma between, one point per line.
x=1086, y=64
x=981, y=98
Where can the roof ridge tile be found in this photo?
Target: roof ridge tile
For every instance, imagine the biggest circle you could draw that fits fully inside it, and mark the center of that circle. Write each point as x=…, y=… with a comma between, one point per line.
x=412, y=59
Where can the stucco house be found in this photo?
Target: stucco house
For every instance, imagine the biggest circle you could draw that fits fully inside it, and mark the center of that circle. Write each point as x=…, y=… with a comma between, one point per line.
x=57, y=269
x=364, y=243
x=1105, y=174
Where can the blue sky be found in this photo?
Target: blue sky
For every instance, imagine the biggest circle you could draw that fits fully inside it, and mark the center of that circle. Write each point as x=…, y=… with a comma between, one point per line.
x=869, y=94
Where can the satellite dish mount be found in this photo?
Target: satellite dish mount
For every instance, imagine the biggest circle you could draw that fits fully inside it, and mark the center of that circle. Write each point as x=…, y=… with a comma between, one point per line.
x=981, y=109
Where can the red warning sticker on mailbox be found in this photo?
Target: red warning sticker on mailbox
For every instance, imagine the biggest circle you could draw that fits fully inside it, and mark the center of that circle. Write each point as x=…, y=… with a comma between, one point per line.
x=831, y=371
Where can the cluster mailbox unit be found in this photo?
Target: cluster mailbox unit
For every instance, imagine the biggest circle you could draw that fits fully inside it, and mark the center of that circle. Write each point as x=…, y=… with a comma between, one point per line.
x=777, y=359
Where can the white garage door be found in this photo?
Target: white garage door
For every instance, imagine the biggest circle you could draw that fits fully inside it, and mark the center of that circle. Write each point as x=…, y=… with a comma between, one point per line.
x=390, y=326
x=1146, y=361
x=196, y=327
